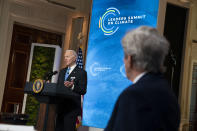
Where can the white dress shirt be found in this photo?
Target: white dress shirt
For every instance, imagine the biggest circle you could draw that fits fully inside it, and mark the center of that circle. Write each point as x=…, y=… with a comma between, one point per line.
x=138, y=77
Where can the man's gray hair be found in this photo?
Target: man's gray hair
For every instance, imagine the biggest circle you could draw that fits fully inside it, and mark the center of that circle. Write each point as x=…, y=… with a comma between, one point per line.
x=73, y=52
x=147, y=47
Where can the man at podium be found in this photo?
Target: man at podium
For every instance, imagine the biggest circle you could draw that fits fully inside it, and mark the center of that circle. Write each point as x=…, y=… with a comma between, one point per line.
x=75, y=79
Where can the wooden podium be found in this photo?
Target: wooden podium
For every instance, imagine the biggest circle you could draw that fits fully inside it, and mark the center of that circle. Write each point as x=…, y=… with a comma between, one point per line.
x=49, y=96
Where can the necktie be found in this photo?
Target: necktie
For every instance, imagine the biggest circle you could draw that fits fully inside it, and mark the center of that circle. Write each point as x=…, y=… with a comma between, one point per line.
x=67, y=73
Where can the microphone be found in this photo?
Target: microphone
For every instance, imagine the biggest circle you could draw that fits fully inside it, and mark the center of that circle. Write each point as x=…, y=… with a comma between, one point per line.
x=53, y=73
x=49, y=75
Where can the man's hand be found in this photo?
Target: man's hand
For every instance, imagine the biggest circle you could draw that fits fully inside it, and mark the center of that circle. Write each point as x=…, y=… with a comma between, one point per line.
x=68, y=84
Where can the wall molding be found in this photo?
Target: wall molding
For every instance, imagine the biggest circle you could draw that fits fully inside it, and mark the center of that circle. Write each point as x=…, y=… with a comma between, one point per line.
x=28, y=13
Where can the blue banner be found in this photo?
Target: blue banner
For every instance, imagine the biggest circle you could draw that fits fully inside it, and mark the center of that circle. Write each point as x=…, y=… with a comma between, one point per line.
x=110, y=20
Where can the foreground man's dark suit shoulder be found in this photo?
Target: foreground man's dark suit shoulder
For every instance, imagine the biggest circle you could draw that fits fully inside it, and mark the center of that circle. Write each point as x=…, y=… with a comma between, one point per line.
x=68, y=109
x=148, y=105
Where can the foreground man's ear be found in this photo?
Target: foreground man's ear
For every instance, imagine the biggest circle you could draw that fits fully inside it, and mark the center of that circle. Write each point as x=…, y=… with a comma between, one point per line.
x=130, y=60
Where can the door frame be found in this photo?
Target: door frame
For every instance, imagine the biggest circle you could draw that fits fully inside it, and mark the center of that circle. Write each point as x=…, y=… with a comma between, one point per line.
x=56, y=65
x=183, y=93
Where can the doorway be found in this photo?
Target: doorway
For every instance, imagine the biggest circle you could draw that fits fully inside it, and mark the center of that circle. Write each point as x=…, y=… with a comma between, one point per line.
x=174, y=31
x=22, y=38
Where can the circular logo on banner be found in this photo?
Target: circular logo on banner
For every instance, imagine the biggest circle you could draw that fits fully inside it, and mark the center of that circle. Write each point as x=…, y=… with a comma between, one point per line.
x=104, y=22
x=37, y=86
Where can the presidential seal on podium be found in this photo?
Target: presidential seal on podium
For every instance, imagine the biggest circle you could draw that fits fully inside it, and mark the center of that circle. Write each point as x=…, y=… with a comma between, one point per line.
x=37, y=86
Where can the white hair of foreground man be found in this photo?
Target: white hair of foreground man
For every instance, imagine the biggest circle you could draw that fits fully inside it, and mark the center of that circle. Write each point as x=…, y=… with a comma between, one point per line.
x=147, y=47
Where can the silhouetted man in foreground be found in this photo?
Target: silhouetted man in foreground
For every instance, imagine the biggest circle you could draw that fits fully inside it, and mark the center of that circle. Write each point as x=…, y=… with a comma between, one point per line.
x=148, y=104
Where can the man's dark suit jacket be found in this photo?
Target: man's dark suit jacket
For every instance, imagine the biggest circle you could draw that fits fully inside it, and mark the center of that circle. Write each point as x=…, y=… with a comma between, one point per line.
x=70, y=107
x=147, y=105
